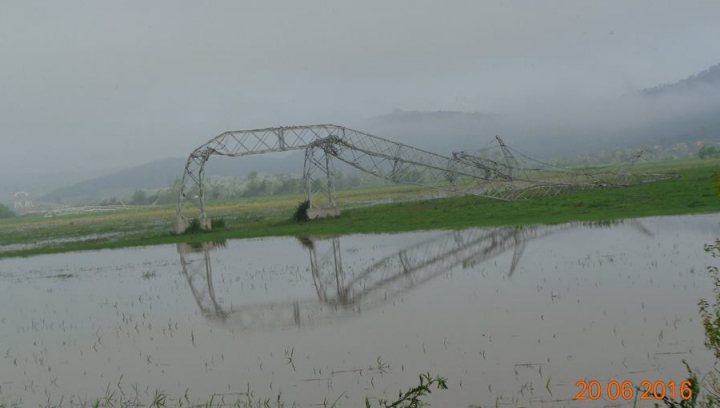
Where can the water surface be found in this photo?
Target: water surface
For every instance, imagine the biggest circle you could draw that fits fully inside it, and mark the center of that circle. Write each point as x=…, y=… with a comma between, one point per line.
x=509, y=316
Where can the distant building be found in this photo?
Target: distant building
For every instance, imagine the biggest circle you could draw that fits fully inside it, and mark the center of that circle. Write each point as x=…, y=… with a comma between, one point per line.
x=23, y=202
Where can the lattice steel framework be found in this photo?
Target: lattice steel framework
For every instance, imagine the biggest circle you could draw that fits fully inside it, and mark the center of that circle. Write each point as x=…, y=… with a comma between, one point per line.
x=381, y=157
x=528, y=177
x=23, y=200
x=464, y=173
x=235, y=144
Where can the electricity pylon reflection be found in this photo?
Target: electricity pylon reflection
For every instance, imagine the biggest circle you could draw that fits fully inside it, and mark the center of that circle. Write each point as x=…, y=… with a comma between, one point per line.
x=342, y=293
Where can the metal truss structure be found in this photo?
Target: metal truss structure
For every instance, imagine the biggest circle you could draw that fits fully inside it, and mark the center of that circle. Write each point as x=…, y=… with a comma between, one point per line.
x=23, y=203
x=527, y=177
x=23, y=200
x=341, y=294
x=464, y=173
x=324, y=143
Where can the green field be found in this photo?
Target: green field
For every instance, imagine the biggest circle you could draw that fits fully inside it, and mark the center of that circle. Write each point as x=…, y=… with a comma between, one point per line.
x=372, y=210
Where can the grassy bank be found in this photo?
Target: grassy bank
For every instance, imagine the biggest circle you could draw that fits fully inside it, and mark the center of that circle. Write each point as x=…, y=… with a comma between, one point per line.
x=270, y=216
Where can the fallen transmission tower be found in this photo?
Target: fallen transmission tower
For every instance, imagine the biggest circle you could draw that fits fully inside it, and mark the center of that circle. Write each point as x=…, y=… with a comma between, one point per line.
x=505, y=178
x=323, y=143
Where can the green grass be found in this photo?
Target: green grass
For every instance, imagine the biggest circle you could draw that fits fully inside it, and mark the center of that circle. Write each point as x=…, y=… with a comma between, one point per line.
x=271, y=216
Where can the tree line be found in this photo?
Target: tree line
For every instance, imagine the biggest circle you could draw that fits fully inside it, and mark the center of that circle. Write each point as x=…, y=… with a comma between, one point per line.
x=252, y=185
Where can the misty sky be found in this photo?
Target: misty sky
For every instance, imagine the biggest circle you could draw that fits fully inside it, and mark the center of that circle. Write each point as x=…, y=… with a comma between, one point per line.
x=98, y=84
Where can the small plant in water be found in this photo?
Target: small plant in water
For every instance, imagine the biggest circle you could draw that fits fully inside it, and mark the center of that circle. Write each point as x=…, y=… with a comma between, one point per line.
x=158, y=399
x=149, y=274
x=412, y=397
x=289, y=356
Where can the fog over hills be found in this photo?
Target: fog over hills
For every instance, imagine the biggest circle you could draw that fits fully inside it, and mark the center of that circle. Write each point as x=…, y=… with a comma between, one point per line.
x=707, y=79
x=686, y=110
x=90, y=88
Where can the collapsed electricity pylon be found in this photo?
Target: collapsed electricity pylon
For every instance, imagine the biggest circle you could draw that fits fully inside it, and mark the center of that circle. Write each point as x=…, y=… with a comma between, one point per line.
x=323, y=143
x=505, y=178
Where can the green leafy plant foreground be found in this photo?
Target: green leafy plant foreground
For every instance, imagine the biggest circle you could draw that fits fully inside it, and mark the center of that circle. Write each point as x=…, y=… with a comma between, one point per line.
x=412, y=397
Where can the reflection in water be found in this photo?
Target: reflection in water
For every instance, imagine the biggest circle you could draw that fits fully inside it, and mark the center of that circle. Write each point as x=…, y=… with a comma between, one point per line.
x=339, y=296
x=193, y=272
x=612, y=223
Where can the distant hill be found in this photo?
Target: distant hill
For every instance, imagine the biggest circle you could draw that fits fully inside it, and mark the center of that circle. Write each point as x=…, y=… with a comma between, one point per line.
x=692, y=107
x=37, y=184
x=709, y=77
x=688, y=110
x=162, y=173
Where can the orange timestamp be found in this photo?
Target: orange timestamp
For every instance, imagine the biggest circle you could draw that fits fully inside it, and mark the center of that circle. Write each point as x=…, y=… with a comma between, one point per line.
x=648, y=390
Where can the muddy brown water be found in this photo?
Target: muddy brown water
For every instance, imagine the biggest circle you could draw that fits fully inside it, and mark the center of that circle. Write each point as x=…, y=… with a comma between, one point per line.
x=511, y=317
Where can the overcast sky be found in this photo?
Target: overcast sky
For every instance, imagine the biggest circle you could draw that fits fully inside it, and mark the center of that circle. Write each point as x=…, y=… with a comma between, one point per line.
x=97, y=84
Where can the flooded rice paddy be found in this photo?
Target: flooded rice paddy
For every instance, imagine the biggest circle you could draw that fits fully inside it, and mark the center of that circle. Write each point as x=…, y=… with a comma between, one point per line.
x=511, y=317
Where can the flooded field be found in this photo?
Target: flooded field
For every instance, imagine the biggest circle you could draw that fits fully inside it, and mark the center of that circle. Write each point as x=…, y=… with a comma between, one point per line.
x=511, y=317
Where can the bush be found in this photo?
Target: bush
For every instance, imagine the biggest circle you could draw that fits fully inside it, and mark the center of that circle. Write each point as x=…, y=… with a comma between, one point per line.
x=139, y=197
x=708, y=152
x=194, y=227
x=301, y=211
